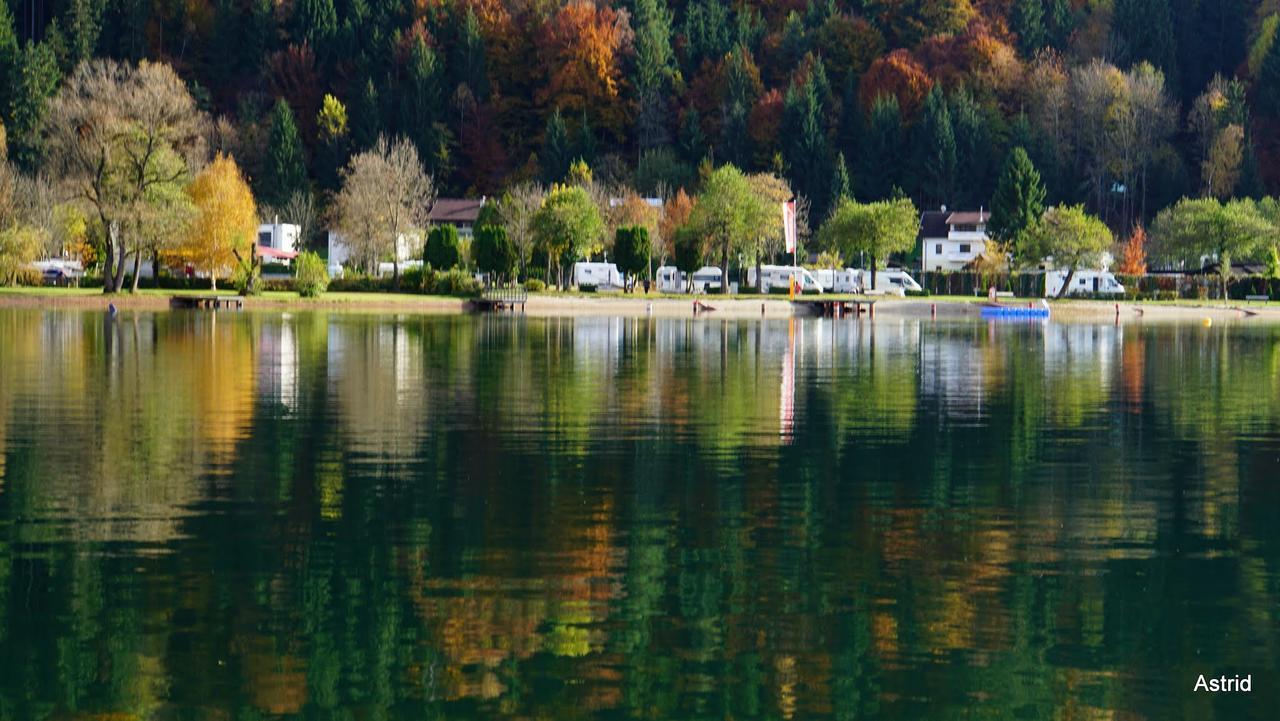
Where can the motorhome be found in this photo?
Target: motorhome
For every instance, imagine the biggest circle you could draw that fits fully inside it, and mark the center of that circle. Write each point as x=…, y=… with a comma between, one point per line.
x=597, y=275
x=894, y=281
x=780, y=276
x=838, y=280
x=1083, y=282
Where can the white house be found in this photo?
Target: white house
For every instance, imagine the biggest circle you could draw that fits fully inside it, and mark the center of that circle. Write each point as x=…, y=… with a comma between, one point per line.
x=278, y=241
x=408, y=248
x=952, y=240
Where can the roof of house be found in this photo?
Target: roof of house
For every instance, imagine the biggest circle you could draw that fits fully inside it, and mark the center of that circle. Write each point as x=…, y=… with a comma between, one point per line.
x=933, y=224
x=968, y=217
x=455, y=210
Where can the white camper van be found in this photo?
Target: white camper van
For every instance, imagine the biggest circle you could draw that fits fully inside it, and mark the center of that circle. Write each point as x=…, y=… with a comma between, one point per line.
x=600, y=275
x=894, y=281
x=779, y=276
x=669, y=279
x=1083, y=282
x=706, y=279
x=838, y=280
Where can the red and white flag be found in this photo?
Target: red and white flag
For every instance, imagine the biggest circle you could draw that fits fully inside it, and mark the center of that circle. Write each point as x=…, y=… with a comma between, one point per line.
x=789, y=224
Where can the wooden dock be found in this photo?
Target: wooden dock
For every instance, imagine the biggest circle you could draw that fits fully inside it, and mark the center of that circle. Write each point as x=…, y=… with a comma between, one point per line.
x=834, y=308
x=496, y=299
x=206, y=302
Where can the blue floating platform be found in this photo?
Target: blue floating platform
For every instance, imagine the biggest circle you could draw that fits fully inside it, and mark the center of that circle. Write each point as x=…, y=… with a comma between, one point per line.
x=1003, y=312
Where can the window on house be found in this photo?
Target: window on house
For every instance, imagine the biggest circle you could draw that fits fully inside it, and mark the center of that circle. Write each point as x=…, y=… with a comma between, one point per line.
x=263, y=239
x=964, y=247
x=938, y=248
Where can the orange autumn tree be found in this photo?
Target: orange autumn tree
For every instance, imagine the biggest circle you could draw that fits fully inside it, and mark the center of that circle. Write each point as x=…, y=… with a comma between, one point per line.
x=1133, y=257
x=226, y=220
x=584, y=45
x=898, y=74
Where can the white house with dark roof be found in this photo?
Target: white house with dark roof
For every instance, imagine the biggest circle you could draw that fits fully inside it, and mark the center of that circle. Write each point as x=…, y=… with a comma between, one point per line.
x=951, y=240
x=461, y=213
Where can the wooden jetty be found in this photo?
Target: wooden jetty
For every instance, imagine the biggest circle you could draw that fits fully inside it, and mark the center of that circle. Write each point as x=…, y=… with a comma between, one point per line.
x=208, y=302
x=834, y=308
x=495, y=299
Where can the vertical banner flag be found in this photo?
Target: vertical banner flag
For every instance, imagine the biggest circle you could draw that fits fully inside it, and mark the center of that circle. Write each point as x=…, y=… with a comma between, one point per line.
x=789, y=224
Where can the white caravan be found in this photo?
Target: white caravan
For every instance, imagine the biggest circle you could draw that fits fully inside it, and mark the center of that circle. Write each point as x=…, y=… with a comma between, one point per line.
x=600, y=275
x=779, y=276
x=706, y=279
x=894, y=281
x=838, y=280
x=1084, y=282
x=669, y=279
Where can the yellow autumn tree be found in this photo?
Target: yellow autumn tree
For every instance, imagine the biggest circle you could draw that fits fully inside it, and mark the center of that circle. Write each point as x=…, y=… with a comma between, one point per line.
x=226, y=220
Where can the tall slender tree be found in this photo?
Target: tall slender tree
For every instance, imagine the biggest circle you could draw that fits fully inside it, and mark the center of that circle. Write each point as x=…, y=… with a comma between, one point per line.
x=285, y=171
x=936, y=147
x=1019, y=198
x=655, y=71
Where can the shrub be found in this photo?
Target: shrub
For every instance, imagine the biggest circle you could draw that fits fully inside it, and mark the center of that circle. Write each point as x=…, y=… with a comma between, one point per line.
x=493, y=251
x=441, y=251
x=535, y=285
x=353, y=283
x=310, y=277
x=452, y=282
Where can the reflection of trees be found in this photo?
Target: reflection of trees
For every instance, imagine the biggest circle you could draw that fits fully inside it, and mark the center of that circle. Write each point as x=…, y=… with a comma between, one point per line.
x=375, y=517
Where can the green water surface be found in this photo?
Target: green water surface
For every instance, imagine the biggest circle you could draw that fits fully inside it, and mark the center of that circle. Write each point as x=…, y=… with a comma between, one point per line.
x=240, y=516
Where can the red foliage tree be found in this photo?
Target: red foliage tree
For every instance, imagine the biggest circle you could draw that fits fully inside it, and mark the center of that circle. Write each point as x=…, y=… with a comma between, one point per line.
x=898, y=74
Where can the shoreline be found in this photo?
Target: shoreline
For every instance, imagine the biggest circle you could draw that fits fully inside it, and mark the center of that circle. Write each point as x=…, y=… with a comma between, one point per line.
x=738, y=307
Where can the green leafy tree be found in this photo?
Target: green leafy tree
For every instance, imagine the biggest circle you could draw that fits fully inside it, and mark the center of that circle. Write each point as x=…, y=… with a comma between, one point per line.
x=285, y=170
x=728, y=216
x=1199, y=228
x=442, y=249
x=1070, y=236
x=310, y=277
x=333, y=134
x=1019, y=198
x=556, y=153
x=877, y=229
x=566, y=226
x=493, y=250
x=688, y=250
x=631, y=251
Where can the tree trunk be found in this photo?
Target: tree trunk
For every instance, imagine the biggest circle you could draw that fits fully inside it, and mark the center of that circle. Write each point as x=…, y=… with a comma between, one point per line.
x=118, y=281
x=1066, y=284
x=137, y=270
x=873, y=273
x=155, y=267
x=759, y=276
x=724, y=272
x=109, y=266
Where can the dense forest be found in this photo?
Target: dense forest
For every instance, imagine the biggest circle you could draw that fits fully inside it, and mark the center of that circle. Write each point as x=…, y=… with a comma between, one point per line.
x=1124, y=105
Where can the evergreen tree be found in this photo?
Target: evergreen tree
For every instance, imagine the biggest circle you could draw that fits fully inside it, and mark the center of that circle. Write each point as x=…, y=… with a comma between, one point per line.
x=421, y=98
x=794, y=43
x=285, y=170
x=314, y=22
x=1060, y=22
x=692, y=141
x=1143, y=30
x=1026, y=18
x=707, y=31
x=332, y=131
x=10, y=61
x=556, y=154
x=1019, y=198
x=935, y=144
x=850, y=130
x=259, y=36
x=84, y=24
x=36, y=81
x=1267, y=84
x=840, y=186
x=974, y=150
x=366, y=121
x=585, y=147
x=805, y=149
x=468, y=62
x=654, y=70
x=735, y=144
x=881, y=157
x=818, y=12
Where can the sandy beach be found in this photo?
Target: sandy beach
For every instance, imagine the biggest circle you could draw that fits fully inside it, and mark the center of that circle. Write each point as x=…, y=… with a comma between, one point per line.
x=739, y=307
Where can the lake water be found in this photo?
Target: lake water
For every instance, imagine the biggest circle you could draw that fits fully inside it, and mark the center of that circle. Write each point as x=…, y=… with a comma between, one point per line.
x=249, y=516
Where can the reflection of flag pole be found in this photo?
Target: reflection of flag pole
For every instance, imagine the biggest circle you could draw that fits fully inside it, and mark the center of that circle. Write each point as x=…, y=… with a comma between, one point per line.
x=787, y=406
x=789, y=234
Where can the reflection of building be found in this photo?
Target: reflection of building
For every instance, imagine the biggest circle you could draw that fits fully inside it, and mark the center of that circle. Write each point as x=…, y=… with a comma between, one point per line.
x=952, y=240
x=278, y=362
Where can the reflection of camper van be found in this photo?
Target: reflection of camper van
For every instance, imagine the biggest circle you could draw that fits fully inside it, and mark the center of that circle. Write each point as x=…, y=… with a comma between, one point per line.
x=669, y=279
x=890, y=280
x=599, y=275
x=838, y=280
x=1083, y=282
x=706, y=279
x=779, y=276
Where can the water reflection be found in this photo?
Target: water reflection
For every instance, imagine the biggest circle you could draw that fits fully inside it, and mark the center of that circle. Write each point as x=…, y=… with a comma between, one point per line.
x=348, y=516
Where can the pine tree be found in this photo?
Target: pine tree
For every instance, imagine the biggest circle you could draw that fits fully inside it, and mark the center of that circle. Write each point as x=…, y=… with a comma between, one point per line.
x=1267, y=84
x=692, y=141
x=468, y=61
x=556, y=154
x=840, y=186
x=259, y=36
x=314, y=22
x=285, y=171
x=805, y=149
x=421, y=97
x=585, y=147
x=36, y=81
x=880, y=162
x=936, y=144
x=1143, y=30
x=1026, y=18
x=974, y=150
x=850, y=131
x=85, y=24
x=654, y=71
x=1019, y=198
x=10, y=61
x=794, y=43
x=366, y=121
